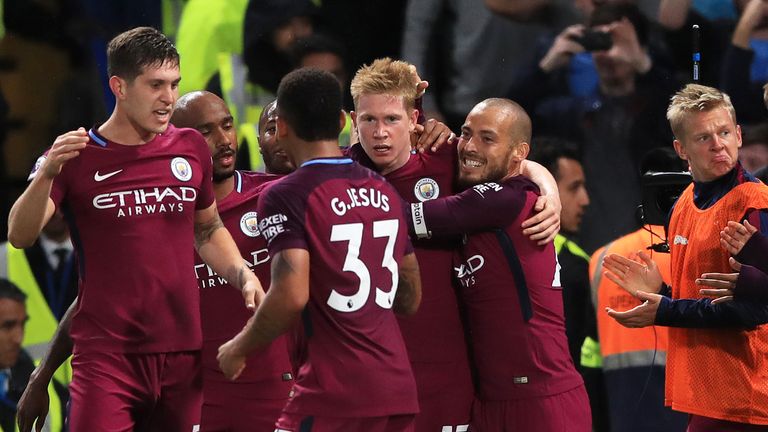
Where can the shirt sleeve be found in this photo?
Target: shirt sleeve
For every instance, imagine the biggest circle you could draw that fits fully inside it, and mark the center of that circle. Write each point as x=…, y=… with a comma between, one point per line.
x=701, y=313
x=751, y=285
x=754, y=250
x=484, y=206
x=280, y=221
x=58, y=187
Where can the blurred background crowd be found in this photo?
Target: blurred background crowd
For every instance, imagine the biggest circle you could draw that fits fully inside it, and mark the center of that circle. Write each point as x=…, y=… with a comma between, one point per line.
x=595, y=74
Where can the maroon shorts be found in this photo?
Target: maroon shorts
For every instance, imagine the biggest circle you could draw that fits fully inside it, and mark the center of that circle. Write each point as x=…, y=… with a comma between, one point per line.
x=706, y=424
x=299, y=423
x=445, y=396
x=564, y=412
x=142, y=392
x=232, y=407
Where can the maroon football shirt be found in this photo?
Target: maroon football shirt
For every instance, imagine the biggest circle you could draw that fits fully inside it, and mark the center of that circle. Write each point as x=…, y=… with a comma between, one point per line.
x=515, y=359
x=222, y=308
x=435, y=333
x=131, y=213
x=353, y=225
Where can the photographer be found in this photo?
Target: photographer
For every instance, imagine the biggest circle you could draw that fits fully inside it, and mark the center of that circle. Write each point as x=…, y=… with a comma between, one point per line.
x=615, y=125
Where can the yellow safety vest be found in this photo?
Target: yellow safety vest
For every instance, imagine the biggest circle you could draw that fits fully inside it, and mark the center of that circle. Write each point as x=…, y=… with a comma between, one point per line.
x=39, y=329
x=590, y=348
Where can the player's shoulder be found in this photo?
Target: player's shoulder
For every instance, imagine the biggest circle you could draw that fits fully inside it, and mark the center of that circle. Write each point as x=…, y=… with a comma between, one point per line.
x=250, y=180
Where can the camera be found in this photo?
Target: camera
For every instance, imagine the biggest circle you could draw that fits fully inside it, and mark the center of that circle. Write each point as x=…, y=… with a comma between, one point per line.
x=660, y=191
x=594, y=40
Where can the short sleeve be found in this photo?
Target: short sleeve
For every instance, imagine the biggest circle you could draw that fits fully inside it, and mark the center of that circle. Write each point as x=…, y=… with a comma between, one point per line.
x=281, y=221
x=58, y=188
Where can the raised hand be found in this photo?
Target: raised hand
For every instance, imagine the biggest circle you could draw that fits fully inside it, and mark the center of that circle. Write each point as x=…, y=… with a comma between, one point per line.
x=633, y=276
x=735, y=235
x=64, y=148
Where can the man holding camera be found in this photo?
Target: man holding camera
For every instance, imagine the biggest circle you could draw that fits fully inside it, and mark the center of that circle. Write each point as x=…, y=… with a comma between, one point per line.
x=617, y=119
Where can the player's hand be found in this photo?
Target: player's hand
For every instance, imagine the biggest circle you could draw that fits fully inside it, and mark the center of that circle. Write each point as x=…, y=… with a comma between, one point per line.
x=545, y=224
x=421, y=85
x=231, y=359
x=641, y=315
x=253, y=293
x=32, y=408
x=431, y=135
x=722, y=285
x=735, y=235
x=64, y=148
x=635, y=277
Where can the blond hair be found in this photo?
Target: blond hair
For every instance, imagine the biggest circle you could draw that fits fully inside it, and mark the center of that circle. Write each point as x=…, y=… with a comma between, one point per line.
x=695, y=98
x=386, y=76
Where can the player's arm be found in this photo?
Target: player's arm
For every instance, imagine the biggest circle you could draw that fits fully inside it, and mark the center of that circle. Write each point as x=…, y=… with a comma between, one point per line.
x=747, y=241
x=216, y=247
x=545, y=224
x=33, y=405
x=484, y=206
x=408, y=296
x=34, y=207
x=282, y=306
x=643, y=280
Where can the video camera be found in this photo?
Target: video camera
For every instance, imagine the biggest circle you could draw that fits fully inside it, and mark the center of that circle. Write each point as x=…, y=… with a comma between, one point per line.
x=660, y=190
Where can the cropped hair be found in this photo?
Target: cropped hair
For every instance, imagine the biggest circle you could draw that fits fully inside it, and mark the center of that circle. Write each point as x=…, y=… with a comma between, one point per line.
x=9, y=290
x=133, y=50
x=695, y=98
x=548, y=150
x=310, y=101
x=386, y=76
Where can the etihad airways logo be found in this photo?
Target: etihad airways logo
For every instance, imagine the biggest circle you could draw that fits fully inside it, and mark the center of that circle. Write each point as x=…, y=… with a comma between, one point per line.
x=465, y=272
x=139, y=202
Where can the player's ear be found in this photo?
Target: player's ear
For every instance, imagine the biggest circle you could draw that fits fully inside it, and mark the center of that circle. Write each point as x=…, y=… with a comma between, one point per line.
x=414, y=118
x=342, y=120
x=680, y=149
x=520, y=151
x=353, y=116
x=118, y=86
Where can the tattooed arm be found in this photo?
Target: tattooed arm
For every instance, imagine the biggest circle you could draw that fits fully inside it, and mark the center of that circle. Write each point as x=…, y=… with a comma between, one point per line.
x=408, y=296
x=287, y=297
x=216, y=247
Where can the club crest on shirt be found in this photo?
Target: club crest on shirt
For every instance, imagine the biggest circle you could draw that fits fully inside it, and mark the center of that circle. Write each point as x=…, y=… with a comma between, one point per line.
x=181, y=169
x=249, y=224
x=36, y=168
x=426, y=189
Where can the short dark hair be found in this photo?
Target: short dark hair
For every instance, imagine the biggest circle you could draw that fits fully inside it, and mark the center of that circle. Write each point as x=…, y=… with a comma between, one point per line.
x=309, y=100
x=316, y=44
x=9, y=290
x=133, y=50
x=548, y=150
